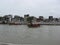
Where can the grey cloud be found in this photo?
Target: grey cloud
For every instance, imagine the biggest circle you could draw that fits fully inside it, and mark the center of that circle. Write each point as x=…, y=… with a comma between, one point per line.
x=33, y=7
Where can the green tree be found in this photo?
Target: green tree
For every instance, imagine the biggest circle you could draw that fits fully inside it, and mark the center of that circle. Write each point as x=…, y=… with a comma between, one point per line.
x=29, y=19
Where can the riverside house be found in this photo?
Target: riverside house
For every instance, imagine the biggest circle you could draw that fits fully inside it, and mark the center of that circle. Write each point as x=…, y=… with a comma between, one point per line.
x=17, y=20
x=1, y=19
x=7, y=19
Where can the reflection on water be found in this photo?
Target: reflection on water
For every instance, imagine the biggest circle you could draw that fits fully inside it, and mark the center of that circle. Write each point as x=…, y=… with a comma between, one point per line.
x=49, y=35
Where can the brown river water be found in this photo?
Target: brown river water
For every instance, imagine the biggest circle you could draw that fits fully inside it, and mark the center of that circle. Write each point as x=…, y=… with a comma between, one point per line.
x=21, y=34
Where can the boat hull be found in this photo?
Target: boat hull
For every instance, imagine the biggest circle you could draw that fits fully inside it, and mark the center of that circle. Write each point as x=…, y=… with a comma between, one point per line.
x=33, y=25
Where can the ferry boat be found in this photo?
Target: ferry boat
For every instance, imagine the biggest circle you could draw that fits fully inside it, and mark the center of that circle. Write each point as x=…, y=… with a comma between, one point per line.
x=33, y=25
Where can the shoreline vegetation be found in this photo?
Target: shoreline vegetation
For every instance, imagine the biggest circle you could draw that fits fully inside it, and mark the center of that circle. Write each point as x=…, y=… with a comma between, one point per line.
x=18, y=20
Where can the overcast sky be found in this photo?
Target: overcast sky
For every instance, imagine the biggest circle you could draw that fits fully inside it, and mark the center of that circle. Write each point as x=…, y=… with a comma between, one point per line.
x=32, y=7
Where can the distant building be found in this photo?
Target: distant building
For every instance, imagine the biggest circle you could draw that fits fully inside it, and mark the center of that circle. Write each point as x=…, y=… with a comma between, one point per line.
x=1, y=18
x=26, y=15
x=7, y=18
x=41, y=18
x=21, y=20
x=50, y=18
x=59, y=19
x=34, y=19
x=56, y=19
x=25, y=18
x=38, y=20
x=46, y=20
x=17, y=18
